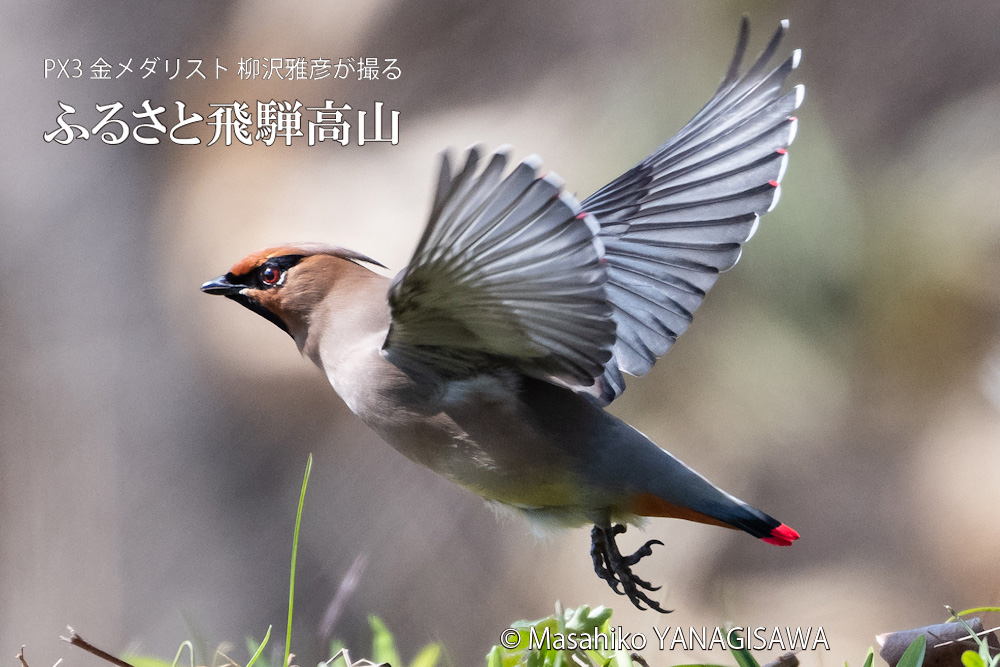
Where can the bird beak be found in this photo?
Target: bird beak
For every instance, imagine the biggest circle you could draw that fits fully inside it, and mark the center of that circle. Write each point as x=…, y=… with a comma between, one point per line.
x=234, y=291
x=222, y=287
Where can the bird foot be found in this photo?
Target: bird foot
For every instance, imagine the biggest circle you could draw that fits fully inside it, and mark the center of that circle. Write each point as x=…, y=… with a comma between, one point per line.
x=616, y=569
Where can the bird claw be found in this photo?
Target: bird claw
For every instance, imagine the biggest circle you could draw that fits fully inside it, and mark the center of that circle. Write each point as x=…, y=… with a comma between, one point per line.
x=640, y=553
x=612, y=567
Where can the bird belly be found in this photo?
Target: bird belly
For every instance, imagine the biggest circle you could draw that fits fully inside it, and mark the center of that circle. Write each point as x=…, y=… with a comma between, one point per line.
x=495, y=434
x=476, y=433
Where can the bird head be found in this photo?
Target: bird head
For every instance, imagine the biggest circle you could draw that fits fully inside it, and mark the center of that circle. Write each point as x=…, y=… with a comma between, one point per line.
x=286, y=284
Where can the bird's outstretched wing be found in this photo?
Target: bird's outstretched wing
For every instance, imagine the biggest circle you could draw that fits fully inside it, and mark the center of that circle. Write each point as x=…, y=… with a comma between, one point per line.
x=673, y=222
x=511, y=271
x=508, y=271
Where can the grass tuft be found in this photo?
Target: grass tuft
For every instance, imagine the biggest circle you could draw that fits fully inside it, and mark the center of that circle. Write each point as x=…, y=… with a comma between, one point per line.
x=295, y=552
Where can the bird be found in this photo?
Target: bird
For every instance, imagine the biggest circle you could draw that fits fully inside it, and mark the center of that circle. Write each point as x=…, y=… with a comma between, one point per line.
x=490, y=358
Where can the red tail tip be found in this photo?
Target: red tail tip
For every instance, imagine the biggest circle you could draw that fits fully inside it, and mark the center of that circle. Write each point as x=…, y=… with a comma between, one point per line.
x=782, y=536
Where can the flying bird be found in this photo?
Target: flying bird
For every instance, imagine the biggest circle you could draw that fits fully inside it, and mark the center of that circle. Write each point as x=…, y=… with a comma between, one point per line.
x=490, y=357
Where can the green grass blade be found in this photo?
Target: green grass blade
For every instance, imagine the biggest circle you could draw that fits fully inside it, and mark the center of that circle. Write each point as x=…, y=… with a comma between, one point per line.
x=494, y=658
x=742, y=655
x=295, y=552
x=428, y=656
x=260, y=649
x=383, y=645
x=144, y=661
x=871, y=657
x=252, y=645
x=983, y=648
x=622, y=658
x=913, y=656
x=180, y=649
x=560, y=656
x=977, y=610
x=335, y=647
x=147, y=661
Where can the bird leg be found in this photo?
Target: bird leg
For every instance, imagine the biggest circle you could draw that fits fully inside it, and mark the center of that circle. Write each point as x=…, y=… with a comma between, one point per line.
x=616, y=569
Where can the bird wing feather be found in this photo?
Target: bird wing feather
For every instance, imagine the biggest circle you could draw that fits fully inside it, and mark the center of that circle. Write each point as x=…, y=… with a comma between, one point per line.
x=512, y=270
x=676, y=220
x=508, y=272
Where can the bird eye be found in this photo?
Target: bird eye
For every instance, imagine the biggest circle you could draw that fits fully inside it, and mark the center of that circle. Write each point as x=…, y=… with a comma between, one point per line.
x=270, y=275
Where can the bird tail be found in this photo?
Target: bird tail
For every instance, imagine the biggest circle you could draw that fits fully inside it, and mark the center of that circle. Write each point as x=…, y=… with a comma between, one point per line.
x=737, y=515
x=762, y=526
x=678, y=491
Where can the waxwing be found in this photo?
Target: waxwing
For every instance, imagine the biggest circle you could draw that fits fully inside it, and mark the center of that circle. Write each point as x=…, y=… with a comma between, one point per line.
x=490, y=357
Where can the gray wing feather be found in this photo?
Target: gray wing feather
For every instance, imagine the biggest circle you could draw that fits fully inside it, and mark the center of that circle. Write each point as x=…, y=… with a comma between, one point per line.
x=507, y=271
x=672, y=223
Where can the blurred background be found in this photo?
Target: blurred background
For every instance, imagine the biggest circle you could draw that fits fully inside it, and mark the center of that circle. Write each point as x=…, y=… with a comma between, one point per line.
x=844, y=377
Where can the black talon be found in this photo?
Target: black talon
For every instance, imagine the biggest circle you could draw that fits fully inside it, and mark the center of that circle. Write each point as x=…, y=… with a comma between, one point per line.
x=642, y=583
x=643, y=551
x=612, y=567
